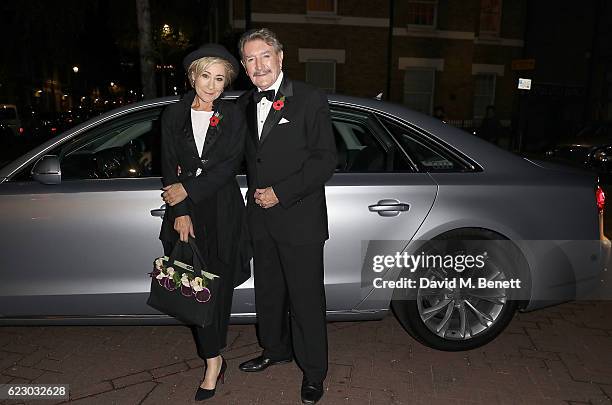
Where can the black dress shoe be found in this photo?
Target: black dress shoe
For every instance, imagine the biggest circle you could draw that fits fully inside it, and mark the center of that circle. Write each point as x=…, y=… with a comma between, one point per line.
x=311, y=392
x=260, y=363
x=203, y=393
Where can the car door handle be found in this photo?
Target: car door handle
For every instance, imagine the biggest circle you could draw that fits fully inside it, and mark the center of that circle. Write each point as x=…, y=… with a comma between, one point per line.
x=389, y=207
x=159, y=212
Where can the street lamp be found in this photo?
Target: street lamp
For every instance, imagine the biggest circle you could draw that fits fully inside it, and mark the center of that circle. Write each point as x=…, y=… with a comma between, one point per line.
x=75, y=69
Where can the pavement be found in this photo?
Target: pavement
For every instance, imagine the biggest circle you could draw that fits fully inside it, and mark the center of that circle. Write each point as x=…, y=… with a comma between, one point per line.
x=558, y=355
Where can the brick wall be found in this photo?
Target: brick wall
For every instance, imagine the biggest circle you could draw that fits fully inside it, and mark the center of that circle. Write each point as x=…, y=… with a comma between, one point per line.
x=364, y=72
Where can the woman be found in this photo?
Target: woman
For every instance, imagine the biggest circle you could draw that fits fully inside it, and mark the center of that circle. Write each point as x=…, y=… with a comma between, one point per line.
x=202, y=149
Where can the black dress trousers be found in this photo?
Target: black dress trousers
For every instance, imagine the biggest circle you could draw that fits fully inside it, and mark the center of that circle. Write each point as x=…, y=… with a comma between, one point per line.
x=290, y=299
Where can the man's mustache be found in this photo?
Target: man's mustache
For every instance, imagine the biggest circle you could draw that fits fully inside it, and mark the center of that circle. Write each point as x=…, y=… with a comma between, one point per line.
x=261, y=72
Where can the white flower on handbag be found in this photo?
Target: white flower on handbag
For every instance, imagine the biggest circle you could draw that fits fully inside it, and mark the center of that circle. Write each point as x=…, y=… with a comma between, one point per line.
x=170, y=272
x=158, y=263
x=185, y=280
x=197, y=284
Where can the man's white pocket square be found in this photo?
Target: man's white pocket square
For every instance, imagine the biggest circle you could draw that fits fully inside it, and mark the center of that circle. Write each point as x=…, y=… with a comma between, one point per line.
x=283, y=121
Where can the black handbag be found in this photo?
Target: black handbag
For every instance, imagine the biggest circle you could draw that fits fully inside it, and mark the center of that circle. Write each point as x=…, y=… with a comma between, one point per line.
x=184, y=291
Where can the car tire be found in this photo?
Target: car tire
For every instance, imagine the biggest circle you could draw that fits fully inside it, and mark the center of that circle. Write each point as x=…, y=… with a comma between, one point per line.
x=410, y=307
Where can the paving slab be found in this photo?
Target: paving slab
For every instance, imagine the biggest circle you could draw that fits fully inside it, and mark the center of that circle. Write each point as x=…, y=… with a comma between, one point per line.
x=557, y=355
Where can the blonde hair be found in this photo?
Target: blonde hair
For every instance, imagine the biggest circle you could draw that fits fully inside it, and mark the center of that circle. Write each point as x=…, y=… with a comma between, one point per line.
x=198, y=67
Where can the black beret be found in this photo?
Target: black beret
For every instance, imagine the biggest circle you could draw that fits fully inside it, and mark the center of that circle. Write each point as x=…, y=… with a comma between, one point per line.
x=214, y=50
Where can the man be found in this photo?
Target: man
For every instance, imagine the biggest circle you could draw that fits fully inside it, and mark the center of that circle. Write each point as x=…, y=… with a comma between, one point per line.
x=290, y=155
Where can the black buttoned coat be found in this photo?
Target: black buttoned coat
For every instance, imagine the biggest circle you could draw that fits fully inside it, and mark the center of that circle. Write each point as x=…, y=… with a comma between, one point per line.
x=214, y=201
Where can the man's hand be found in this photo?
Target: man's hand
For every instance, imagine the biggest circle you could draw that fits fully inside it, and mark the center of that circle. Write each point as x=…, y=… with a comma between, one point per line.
x=174, y=194
x=184, y=227
x=265, y=197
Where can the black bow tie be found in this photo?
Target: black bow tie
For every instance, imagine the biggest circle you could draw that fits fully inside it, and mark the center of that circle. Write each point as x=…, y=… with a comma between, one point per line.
x=269, y=94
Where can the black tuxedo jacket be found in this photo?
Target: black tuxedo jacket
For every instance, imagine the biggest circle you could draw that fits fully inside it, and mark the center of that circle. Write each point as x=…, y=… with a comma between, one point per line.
x=214, y=200
x=296, y=158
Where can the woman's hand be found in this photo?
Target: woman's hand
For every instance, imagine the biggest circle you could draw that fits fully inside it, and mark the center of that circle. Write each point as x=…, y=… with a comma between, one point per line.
x=174, y=194
x=184, y=227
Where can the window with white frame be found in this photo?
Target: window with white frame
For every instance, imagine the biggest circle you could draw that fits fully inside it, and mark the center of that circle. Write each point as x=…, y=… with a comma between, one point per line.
x=321, y=6
x=422, y=12
x=484, y=93
x=322, y=74
x=419, y=88
x=490, y=17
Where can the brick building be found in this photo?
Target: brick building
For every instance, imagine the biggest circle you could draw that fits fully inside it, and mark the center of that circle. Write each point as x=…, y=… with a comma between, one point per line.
x=572, y=78
x=451, y=53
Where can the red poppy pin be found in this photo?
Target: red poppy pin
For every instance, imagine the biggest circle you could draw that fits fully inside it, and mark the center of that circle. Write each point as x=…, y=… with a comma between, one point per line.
x=279, y=104
x=215, y=119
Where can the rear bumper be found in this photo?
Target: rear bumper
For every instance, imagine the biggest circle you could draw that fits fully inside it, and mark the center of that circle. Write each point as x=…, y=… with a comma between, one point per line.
x=591, y=286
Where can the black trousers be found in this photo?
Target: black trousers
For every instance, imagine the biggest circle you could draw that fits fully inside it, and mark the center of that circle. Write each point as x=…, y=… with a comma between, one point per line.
x=212, y=338
x=290, y=300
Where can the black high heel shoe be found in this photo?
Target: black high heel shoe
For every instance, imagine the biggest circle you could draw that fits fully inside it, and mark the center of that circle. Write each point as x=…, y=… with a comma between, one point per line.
x=202, y=393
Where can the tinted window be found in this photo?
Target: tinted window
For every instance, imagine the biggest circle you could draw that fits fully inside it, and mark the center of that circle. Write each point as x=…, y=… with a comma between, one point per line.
x=361, y=144
x=428, y=156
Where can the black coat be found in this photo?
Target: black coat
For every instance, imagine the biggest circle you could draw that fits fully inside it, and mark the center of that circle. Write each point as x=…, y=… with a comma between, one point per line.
x=214, y=201
x=296, y=158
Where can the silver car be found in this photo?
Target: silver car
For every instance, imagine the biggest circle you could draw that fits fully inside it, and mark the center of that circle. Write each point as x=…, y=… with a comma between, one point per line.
x=81, y=214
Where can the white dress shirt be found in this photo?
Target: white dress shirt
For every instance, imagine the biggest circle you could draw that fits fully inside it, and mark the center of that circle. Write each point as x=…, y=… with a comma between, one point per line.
x=263, y=107
x=200, y=120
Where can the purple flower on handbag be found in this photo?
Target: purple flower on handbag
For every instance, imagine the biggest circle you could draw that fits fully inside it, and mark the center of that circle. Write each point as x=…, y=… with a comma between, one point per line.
x=186, y=291
x=203, y=295
x=189, y=285
x=169, y=284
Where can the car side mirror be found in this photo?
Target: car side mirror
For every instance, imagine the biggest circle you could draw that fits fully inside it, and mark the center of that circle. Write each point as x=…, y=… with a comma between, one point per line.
x=47, y=170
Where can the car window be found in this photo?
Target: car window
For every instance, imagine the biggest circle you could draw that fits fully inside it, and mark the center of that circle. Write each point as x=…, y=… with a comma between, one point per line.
x=127, y=147
x=360, y=145
x=429, y=157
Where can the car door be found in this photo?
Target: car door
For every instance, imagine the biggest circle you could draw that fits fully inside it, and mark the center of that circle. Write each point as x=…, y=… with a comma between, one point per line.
x=83, y=247
x=375, y=195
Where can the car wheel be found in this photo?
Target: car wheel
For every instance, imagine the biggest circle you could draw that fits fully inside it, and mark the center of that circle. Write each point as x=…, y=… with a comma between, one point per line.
x=461, y=318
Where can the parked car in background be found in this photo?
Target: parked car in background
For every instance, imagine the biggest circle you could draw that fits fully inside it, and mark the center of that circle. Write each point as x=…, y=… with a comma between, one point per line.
x=82, y=215
x=591, y=149
x=9, y=118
